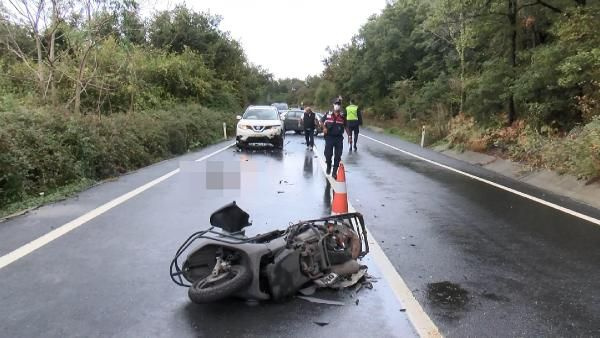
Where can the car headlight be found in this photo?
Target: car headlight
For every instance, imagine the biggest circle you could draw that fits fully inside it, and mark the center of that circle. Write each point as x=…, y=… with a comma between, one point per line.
x=244, y=126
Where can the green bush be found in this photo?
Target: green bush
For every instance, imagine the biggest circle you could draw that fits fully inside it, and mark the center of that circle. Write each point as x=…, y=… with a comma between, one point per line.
x=385, y=108
x=41, y=151
x=487, y=92
x=577, y=153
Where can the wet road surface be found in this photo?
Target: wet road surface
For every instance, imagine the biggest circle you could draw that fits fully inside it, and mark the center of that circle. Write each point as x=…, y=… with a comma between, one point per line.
x=109, y=277
x=481, y=261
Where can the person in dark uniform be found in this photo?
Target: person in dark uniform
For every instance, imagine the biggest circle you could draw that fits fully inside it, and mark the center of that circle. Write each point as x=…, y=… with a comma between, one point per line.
x=309, y=119
x=334, y=126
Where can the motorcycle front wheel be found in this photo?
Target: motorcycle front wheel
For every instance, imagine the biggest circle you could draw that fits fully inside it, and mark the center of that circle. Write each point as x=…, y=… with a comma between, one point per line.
x=211, y=288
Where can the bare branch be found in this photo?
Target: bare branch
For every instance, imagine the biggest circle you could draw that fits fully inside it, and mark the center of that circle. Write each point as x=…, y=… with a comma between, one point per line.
x=540, y=2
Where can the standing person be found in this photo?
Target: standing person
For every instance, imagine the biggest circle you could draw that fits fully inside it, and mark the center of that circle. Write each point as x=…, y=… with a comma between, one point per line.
x=334, y=126
x=354, y=120
x=309, y=119
x=337, y=102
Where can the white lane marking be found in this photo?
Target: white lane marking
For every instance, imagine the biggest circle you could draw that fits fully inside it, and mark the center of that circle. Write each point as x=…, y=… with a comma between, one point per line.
x=417, y=316
x=516, y=192
x=74, y=224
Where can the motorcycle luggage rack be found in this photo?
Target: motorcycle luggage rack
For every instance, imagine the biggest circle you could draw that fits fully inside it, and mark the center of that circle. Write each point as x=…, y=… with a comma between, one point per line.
x=355, y=220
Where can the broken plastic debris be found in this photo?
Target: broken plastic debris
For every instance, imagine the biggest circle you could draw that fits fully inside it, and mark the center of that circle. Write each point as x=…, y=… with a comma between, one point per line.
x=353, y=279
x=357, y=288
x=308, y=291
x=321, y=301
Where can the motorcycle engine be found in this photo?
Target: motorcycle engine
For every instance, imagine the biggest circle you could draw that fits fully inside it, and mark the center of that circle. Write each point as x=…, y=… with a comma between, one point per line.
x=311, y=256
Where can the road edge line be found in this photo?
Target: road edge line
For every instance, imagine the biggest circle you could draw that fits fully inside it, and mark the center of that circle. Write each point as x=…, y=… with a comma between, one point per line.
x=419, y=319
x=62, y=230
x=497, y=185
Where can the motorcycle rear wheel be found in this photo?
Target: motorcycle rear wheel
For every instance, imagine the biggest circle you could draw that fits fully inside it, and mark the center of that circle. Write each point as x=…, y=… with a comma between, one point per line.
x=202, y=292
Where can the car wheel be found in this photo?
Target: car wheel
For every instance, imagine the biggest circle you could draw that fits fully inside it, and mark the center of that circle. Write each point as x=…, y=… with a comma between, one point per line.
x=298, y=132
x=278, y=144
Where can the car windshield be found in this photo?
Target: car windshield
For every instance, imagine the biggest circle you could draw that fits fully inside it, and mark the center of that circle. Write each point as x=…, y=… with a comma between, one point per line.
x=261, y=114
x=280, y=106
x=294, y=113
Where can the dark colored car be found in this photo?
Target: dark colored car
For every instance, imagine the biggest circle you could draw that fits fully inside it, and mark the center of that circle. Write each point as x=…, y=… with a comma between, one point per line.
x=293, y=121
x=319, y=129
x=281, y=106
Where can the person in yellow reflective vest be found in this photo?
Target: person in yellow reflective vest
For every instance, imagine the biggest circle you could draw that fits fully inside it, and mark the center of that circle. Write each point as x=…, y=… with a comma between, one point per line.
x=353, y=120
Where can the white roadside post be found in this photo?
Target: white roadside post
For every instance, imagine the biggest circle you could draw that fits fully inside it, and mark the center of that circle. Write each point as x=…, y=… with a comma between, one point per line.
x=423, y=137
x=224, y=130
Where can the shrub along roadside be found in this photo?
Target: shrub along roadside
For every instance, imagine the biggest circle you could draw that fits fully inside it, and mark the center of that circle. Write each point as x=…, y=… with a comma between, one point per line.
x=576, y=153
x=42, y=152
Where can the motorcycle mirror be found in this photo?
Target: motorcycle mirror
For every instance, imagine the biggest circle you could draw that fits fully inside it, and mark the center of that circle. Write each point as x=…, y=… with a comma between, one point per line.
x=230, y=218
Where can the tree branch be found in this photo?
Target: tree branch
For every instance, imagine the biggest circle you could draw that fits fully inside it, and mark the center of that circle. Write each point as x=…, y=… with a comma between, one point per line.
x=540, y=2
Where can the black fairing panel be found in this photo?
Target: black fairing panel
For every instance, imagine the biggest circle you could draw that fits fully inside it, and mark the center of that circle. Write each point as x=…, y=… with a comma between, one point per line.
x=284, y=275
x=230, y=218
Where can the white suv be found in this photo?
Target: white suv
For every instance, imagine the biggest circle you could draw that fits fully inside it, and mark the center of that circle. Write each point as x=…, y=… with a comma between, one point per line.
x=260, y=124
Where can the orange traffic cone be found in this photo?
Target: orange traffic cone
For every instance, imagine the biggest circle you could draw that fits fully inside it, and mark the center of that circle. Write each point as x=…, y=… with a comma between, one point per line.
x=340, y=197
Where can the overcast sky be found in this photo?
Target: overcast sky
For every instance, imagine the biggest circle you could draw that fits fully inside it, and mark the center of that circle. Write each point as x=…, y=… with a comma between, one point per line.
x=286, y=37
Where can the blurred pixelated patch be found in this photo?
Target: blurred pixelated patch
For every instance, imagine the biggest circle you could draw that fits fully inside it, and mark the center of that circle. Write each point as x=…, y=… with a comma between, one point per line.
x=213, y=175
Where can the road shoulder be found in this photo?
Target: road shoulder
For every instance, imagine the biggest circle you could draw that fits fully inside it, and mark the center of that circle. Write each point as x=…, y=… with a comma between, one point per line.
x=565, y=185
x=543, y=185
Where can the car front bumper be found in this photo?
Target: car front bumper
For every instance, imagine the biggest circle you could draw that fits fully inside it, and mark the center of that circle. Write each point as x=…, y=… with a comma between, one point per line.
x=271, y=135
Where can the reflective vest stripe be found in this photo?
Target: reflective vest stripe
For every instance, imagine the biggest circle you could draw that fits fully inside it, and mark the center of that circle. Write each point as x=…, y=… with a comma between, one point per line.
x=339, y=187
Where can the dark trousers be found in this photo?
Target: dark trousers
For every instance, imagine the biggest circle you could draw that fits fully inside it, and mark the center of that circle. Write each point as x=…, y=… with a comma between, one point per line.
x=334, y=144
x=309, y=135
x=354, y=130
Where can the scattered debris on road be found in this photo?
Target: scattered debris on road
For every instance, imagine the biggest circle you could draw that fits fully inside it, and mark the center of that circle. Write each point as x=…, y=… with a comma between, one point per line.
x=321, y=301
x=322, y=323
x=308, y=291
x=447, y=295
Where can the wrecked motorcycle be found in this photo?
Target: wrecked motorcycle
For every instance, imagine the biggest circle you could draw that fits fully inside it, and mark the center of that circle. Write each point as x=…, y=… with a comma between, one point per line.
x=274, y=265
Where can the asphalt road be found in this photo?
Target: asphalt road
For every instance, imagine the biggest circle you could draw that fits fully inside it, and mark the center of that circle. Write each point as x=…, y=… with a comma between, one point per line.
x=109, y=277
x=481, y=261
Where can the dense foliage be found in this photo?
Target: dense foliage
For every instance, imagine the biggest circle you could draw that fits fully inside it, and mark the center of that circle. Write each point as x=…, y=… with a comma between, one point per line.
x=91, y=89
x=531, y=62
x=101, y=57
x=41, y=151
x=536, y=60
